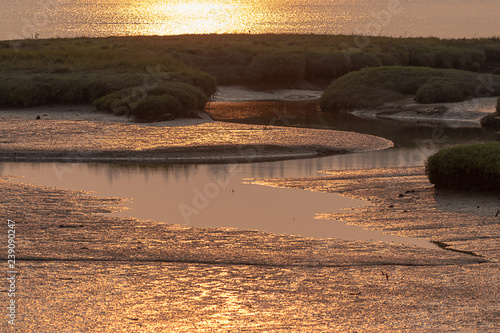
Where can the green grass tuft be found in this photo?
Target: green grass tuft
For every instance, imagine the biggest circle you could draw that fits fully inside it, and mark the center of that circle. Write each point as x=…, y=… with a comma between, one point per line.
x=444, y=89
x=153, y=108
x=492, y=121
x=327, y=65
x=108, y=74
x=229, y=57
x=470, y=167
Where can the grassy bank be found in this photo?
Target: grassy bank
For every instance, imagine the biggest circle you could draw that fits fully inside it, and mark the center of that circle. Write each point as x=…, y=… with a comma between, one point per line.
x=374, y=86
x=147, y=76
x=116, y=78
x=470, y=167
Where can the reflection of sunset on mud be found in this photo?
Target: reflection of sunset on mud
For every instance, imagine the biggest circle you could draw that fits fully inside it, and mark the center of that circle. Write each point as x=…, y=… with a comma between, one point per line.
x=250, y=165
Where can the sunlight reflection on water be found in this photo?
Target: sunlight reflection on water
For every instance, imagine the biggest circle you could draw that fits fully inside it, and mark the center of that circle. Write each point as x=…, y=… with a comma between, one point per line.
x=95, y=18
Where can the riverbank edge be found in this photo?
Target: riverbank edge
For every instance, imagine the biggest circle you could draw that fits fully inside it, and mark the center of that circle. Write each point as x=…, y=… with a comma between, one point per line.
x=198, y=154
x=402, y=202
x=188, y=155
x=465, y=114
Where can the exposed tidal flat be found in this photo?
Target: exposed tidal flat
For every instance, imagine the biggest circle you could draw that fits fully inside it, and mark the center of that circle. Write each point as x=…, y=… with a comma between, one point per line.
x=84, y=271
x=81, y=270
x=88, y=141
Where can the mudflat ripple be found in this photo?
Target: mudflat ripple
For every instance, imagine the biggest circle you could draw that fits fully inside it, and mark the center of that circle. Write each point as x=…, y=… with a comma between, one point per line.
x=404, y=203
x=56, y=140
x=82, y=271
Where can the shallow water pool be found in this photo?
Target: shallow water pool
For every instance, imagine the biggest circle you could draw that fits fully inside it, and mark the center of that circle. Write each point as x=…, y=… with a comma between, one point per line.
x=222, y=195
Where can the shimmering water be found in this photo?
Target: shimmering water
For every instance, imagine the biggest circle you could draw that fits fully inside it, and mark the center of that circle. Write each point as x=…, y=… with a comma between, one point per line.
x=67, y=18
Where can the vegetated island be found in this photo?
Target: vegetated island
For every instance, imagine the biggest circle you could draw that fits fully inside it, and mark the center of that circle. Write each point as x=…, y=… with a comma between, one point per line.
x=468, y=167
x=161, y=77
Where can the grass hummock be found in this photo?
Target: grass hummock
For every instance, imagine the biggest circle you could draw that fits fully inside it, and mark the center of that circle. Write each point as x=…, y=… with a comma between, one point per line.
x=468, y=167
x=371, y=87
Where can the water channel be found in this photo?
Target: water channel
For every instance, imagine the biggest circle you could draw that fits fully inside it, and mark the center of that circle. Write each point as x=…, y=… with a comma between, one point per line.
x=221, y=195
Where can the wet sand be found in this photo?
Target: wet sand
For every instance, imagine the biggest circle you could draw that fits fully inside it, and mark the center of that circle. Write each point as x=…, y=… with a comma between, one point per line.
x=58, y=136
x=87, y=272
x=404, y=203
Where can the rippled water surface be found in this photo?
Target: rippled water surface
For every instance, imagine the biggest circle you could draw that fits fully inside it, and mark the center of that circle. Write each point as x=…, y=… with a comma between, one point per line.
x=82, y=272
x=63, y=18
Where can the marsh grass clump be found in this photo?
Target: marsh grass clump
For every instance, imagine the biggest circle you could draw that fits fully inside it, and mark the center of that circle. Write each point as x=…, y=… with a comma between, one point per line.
x=27, y=90
x=443, y=55
x=111, y=75
x=328, y=65
x=374, y=86
x=174, y=98
x=331, y=65
x=469, y=167
x=154, y=108
x=443, y=90
x=492, y=52
x=359, y=60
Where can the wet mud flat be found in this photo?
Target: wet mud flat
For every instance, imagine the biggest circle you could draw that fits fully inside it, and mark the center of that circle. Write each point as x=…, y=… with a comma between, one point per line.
x=47, y=140
x=465, y=114
x=80, y=270
x=404, y=203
